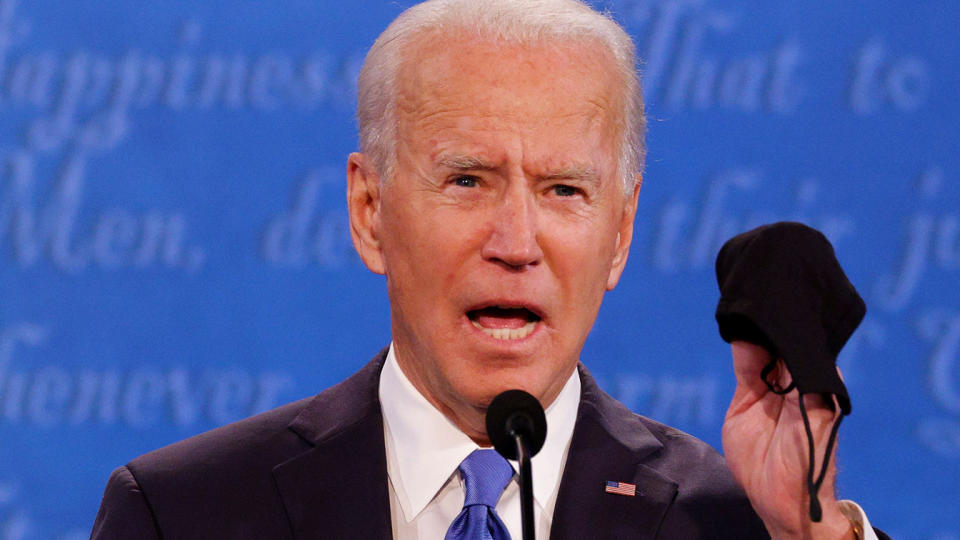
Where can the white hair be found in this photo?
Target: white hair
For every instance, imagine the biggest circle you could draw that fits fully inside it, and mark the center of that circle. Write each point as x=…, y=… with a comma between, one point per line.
x=513, y=21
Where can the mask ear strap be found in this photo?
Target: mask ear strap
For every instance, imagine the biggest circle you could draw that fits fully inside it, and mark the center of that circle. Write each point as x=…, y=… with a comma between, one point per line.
x=816, y=512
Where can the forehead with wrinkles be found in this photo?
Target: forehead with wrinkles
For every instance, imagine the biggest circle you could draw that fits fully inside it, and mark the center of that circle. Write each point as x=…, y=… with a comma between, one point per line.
x=498, y=86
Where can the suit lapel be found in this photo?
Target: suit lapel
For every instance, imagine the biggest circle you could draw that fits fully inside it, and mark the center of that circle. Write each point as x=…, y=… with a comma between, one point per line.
x=338, y=488
x=609, y=444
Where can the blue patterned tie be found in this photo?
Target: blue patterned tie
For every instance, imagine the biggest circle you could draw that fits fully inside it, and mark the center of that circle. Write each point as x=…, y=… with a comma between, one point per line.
x=485, y=474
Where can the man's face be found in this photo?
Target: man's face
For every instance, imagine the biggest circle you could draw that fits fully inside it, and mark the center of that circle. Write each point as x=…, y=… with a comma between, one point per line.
x=505, y=221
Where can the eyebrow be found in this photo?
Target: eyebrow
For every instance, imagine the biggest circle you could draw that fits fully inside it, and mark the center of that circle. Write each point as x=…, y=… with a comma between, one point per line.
x=465, y=162
x=574, y=172
x=462, y=162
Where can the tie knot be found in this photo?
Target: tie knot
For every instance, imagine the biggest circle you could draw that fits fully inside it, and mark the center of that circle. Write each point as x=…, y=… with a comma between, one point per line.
x=485, y=474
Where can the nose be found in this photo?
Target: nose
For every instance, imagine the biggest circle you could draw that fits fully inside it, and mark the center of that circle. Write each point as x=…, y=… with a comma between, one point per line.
x=513, y=241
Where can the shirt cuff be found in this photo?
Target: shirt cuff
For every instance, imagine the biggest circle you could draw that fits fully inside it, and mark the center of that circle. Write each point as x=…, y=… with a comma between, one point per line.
x=857, y=516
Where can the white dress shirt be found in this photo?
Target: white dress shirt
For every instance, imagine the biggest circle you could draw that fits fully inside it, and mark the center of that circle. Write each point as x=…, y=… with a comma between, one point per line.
x=424, y=449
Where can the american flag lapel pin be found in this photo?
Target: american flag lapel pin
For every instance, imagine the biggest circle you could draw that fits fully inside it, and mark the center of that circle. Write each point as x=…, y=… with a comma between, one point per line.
x=621, y=488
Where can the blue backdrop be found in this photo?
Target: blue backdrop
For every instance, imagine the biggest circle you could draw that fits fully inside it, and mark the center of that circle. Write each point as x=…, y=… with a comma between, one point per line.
x=174, y=251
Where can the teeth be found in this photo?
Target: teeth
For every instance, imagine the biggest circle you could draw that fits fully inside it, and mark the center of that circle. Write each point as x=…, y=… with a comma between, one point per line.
x=508, y=333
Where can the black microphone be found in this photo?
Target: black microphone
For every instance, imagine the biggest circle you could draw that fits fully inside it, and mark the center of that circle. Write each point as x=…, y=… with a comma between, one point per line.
x=517, y=428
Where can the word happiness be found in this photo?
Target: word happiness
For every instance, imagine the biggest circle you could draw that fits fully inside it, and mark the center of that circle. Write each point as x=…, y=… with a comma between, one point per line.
x=88, y=95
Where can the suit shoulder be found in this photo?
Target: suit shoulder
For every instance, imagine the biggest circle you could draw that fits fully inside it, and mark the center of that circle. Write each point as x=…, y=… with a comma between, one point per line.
x=247, y=451
x=259, y=438
x=678, y=456
x=690, y=462
x=220, y=483
x=705, y=487
x=227, y=482
x=685, y=446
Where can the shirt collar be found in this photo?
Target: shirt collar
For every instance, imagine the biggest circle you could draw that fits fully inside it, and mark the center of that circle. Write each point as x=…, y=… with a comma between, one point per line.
x=424, y=448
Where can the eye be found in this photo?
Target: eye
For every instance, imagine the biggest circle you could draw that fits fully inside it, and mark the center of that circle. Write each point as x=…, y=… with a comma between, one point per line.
x=563, y=190
x=464, y=180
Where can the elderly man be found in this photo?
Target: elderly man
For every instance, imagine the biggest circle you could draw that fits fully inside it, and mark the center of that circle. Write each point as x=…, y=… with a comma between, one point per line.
x=496, y=191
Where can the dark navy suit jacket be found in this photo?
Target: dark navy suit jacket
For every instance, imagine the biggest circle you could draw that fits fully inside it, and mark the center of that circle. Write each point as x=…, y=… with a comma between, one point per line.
x=316, y=468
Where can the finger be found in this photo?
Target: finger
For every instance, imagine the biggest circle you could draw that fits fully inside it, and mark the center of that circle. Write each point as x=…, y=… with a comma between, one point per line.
x=749, y=360
x=821, y=409
x=779, y=378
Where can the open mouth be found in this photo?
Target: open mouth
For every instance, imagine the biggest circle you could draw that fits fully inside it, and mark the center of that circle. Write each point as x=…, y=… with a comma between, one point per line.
x=504, y=322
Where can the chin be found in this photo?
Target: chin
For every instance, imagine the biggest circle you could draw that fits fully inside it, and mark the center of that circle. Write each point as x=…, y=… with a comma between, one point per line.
x=492, y=386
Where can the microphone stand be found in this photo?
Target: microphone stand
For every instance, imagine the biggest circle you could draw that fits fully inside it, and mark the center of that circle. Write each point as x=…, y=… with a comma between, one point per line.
x=526, y=486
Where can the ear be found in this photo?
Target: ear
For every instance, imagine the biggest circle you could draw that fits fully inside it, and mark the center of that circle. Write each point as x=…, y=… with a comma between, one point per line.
x=363, y=204
x=624, y=235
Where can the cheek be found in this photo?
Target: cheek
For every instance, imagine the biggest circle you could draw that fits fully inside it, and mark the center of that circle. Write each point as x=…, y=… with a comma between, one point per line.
x=424, y=249
x=584, y=255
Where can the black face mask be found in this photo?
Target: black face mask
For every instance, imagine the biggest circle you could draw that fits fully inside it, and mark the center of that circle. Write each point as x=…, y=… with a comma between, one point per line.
x=782, y=288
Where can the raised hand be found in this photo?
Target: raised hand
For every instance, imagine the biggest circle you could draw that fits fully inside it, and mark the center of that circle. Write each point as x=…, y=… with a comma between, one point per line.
x=765, y=445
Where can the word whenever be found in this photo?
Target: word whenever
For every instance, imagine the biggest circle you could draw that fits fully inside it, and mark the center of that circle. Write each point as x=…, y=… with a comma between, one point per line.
x=141, y=397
